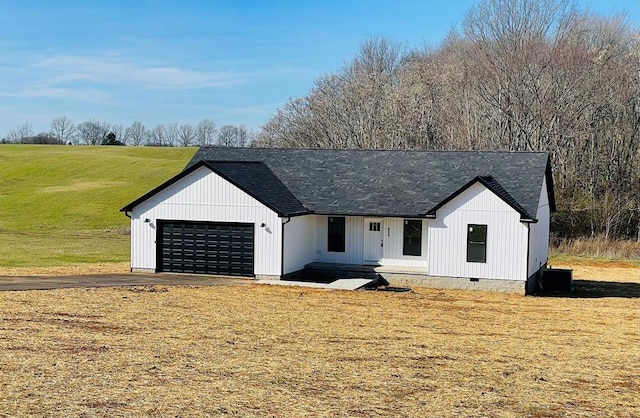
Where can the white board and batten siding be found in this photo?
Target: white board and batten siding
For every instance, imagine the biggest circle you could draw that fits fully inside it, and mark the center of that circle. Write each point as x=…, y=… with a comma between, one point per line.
x=353, y=242
x=205, y=196
x=299, y=243
x=539, y=235
x=394, y=241
x=507, y=237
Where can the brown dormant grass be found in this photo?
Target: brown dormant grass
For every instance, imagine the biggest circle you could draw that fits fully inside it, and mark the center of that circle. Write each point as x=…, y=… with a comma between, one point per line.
x=596, y=248
x=606, y=271
x=259, y=351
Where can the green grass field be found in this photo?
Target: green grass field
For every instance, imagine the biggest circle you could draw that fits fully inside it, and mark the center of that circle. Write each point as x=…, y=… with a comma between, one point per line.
x=59, y=205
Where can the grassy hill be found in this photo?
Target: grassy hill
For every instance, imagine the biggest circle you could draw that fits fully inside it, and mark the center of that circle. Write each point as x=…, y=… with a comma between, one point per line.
x=59, y=205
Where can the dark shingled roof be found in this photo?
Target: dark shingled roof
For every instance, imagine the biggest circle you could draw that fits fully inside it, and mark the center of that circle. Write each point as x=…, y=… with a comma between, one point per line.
x=377, y=182
x=259, y=181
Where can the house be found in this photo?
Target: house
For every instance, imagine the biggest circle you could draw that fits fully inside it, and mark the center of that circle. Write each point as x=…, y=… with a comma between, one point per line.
x=462, y=219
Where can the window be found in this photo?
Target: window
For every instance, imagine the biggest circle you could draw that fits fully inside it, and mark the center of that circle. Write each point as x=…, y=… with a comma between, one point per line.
x=374, y=226
x=477, y=243
x=412, y=241
x=335, y=239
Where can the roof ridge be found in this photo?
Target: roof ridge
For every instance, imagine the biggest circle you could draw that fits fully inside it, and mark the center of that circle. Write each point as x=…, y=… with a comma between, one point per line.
x=378, y=150
x=233, y=162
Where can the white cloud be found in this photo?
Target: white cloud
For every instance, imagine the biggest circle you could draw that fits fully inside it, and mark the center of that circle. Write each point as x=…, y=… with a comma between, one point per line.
x=85, y=95
x=115, y=69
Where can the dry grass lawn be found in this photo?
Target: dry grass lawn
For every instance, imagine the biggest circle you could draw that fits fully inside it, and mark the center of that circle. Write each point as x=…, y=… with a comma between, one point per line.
x=291, y=352
x=601, y=270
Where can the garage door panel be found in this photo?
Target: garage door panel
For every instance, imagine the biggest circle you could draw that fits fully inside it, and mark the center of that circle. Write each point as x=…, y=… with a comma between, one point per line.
x=206, y=248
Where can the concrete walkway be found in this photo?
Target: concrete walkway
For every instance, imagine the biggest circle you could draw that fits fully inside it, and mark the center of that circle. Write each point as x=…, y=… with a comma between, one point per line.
x=109, y=280
x=340, y=284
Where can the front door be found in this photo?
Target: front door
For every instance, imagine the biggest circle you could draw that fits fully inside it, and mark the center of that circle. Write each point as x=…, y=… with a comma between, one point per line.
x=373, y=240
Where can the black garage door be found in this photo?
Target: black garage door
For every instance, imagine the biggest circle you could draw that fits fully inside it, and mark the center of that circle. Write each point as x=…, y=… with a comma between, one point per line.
x=205, y=248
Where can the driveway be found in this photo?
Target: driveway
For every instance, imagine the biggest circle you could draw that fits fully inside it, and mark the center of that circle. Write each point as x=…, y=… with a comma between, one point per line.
x=108, y=280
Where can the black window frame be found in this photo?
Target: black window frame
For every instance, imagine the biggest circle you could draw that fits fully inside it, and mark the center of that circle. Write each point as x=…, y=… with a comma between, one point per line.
x=412, y=244
x=477, y=245
x=336, y=226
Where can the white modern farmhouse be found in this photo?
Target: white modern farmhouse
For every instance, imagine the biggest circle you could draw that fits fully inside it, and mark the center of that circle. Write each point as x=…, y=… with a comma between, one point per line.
x=464, y=219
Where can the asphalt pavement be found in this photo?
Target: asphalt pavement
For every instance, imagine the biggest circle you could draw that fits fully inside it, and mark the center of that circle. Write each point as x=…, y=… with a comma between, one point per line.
x=110, y=280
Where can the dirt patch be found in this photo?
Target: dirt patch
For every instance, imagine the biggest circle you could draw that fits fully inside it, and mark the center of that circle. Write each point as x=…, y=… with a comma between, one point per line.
x=86, y=185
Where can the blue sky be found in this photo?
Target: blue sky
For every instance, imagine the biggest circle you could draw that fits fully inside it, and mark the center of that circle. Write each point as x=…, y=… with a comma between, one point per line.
x=234, y=62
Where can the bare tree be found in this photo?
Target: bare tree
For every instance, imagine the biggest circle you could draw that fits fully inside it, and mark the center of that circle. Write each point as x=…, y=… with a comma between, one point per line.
x=186, y=135
x=158, y=136
x=172, y=134
x=206, y=132
x=92, y=132
x=350, y=109
x=228, y=136
x=62, y=128
x=243, y=137
x=20, y=133
x=136, y=134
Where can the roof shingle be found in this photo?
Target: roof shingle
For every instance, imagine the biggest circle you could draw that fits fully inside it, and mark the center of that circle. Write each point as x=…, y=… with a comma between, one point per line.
x=376, y=182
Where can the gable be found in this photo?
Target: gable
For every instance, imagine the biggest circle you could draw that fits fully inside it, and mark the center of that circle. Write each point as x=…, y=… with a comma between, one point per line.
x=475, y=198
x=254, y=180
x=492, y=186
x=201, y=187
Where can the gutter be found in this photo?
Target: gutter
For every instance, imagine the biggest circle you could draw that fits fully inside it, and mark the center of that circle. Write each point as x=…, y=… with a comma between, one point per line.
x=374, y=215
x=526, y=276
x=127, y=214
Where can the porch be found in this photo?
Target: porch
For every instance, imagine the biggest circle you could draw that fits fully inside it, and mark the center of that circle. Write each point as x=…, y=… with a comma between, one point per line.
x=399, y=276
x=321, y=272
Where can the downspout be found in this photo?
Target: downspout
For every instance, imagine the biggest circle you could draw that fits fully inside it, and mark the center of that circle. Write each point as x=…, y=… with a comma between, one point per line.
x=528, y=251
x=282, y=247
x=128, y=215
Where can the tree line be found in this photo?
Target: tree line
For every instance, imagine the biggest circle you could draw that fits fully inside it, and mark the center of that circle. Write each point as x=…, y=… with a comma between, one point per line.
x=518, y=75
x=92, y=132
